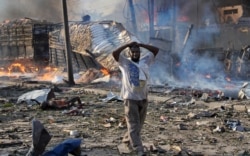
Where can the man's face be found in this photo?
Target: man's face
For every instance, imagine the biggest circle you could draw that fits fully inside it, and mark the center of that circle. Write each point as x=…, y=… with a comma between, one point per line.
x=135, y=54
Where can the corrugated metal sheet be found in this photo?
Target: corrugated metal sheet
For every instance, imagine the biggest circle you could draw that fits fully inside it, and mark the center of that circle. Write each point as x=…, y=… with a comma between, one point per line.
x=94, y=41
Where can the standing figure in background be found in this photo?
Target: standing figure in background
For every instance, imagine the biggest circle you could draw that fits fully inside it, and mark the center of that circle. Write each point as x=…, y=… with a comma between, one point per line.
x=134, y=91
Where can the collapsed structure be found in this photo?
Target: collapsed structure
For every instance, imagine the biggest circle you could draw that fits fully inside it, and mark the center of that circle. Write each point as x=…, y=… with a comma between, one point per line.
x=225, y=43
x=24, y=40
x=92, y=44
x=217, y=44
x=42, y=43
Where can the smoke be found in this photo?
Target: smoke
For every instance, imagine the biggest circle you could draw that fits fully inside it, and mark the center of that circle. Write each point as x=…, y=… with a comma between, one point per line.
x=196, y=62
x=37, y=9
x=51, y=10
x=102, y=9
x=193, y=67
x=200, y=62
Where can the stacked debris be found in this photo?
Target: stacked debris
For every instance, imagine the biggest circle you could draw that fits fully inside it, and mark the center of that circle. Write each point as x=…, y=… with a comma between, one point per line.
x=24, y=38
x=92, y=44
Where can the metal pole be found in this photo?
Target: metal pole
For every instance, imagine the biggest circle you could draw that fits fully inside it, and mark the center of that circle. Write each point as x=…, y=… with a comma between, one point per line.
x=174, y=28
x=132, y=10
x=151, y=17
x=67, y=44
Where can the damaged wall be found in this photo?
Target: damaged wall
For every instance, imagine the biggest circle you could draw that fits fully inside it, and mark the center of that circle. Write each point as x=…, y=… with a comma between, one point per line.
x=24, y=38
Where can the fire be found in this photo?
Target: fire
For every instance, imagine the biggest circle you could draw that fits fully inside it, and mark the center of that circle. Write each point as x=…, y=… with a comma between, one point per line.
x=183, y=19
x=48, y=74
x=28, y=69
x=208, y=76
x=15, y=66
x=228, y=79
x=50, y=69
x=105, y=71
x=20, y=66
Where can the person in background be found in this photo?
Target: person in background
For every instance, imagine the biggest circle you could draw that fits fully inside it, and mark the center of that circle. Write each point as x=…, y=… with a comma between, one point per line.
x=134, y=91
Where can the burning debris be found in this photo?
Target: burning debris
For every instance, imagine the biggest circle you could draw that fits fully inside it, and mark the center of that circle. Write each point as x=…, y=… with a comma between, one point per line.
x=24, y=39
x=24, y=47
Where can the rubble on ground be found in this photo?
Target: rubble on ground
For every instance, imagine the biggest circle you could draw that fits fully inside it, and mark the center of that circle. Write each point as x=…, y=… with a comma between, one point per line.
x=179, y=121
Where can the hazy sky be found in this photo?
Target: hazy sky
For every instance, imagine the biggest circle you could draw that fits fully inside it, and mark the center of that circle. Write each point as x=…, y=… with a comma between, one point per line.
x=51, y=10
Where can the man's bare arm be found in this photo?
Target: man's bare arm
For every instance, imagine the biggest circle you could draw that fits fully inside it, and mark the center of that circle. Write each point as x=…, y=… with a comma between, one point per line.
x=116, y=53
x=151, y=48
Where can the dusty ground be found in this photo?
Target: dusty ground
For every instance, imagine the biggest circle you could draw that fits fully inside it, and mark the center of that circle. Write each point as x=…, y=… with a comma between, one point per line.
x=174, y=124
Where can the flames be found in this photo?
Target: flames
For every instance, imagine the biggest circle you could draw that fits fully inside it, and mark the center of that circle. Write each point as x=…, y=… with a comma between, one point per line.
x=183, y=19
x=14, y=66
x=47, y=74
x=178, y=64
x=18, y=67
x=105, y=71
x=28, y=70
x=208, y=76
x=228, y=79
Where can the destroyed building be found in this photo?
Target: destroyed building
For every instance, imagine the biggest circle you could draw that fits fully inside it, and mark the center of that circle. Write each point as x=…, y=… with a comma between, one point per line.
x=92, y=44
x=209, y=37
x=42, y=43
x=227, y=40
x=187, y=40
x=24, y=41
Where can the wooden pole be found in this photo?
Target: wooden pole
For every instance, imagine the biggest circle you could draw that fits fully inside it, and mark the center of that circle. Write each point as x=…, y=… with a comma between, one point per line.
x=67, y=44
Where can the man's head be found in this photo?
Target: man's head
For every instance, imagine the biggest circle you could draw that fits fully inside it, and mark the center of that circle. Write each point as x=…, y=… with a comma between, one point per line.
x=135, y=53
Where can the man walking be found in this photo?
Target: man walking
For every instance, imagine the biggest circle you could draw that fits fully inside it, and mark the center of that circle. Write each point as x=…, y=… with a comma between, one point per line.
x=134, y=91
